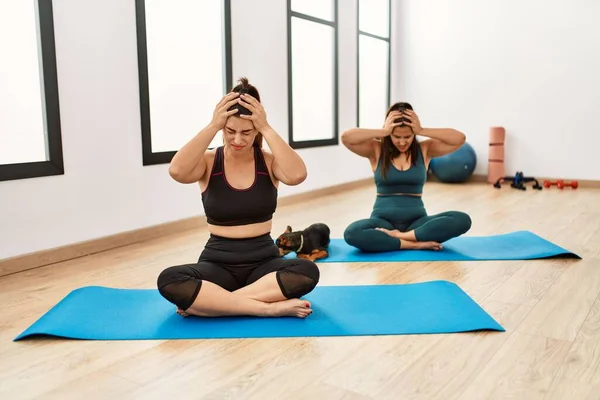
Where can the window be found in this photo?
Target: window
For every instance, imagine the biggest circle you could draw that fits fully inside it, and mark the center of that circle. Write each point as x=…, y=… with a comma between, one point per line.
x=184, y=56
x=373, y=62
x=30, y=132
x=312, y=73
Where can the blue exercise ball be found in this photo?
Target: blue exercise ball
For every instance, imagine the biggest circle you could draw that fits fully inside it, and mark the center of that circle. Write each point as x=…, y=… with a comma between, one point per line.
x=455, y=167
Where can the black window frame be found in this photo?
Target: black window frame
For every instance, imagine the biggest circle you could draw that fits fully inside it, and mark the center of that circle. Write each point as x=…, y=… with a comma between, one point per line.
x=389, y=61
x=164, y=157
x=335, y=25
x=50, y=106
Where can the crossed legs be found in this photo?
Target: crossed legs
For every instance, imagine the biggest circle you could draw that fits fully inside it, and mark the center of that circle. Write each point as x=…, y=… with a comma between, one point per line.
x=273, y=289
x=426, y=232
x=440, y=227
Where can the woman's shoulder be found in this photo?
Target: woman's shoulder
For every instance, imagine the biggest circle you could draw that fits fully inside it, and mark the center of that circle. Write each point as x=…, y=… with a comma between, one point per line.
x=211, y=153
x=375, y=160
x=423, y=148
x=209, y=158
x=269, y=158
x=267, y=155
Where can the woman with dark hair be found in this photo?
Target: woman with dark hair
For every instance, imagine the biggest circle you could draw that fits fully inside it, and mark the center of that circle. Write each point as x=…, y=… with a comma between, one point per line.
x=240, y=270
x=399, y=163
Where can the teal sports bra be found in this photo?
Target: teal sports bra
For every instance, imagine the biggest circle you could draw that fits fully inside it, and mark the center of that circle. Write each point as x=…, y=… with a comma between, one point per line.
x=410, y=181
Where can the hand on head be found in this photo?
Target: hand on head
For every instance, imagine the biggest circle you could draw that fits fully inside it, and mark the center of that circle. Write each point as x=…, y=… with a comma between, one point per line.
x=389, y=124
x=403, y=117
x=413, y=122
x=258, y=116
x=221, y=112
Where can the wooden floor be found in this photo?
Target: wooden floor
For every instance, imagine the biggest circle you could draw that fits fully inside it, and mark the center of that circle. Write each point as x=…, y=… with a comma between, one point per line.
x=550, y=309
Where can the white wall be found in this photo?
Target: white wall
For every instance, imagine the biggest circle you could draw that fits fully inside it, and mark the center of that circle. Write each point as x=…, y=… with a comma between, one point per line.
x=530, y=66
x=260, y=52
x=98, y=83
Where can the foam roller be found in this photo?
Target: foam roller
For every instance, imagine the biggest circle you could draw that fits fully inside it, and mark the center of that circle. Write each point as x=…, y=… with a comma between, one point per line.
x=496, y=154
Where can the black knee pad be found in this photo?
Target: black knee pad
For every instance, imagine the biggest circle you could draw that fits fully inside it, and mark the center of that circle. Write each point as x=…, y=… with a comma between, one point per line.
x=168, y=276
x=299, y=278
x=308, y=268
x=178, y=287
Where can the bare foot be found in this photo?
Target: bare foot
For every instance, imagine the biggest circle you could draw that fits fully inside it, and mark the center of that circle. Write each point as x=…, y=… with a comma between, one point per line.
x=398, y=235
x=406, y=236
x=290, y=308
x=408, y=241
x=420, y=245
x=182, y=313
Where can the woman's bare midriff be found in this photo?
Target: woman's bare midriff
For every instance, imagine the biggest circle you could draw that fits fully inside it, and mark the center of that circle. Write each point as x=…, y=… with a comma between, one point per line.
x=241, y=231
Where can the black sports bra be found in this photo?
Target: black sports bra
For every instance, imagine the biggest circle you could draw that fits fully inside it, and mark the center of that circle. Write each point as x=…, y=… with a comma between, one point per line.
x=225, y=205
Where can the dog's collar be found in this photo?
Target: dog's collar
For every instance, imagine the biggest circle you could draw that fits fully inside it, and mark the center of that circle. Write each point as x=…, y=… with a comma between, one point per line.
x=301, y=243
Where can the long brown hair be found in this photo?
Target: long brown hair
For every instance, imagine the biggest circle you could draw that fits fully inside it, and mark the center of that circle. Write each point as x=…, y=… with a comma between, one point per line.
x=244, y=86
x=388, y=150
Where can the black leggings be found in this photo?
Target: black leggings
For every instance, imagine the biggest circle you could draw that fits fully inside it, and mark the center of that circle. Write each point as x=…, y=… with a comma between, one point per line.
x=233, y=264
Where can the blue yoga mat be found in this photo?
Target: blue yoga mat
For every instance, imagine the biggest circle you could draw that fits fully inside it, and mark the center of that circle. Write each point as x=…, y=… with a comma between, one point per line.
x=101, y=313
x=521, y=245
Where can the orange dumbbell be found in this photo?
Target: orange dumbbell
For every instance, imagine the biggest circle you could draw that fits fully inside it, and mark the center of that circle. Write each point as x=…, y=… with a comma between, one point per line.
x=561, y=184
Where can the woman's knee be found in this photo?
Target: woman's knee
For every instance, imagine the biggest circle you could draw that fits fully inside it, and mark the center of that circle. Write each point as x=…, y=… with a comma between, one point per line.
x=463, y=221
x=170, y=275
x=178, y=287
x=299, y=278
x=353, y=234
x=349, y=232
x=311, y=269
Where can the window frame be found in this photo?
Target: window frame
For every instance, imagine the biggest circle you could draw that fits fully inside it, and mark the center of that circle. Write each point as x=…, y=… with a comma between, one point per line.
x=389, y=61
x=164, y=157
x=333, y=141
x=50, y=103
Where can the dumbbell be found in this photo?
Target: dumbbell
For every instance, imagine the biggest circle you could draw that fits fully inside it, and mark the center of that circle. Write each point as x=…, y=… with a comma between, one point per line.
x=573, y=184
x=561, y=184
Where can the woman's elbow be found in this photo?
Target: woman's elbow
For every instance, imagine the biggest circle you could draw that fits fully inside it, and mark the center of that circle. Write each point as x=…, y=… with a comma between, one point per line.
x=177, y=174
x=296, y=178
x=299, y=177
x=345, y=138
x=174, y=172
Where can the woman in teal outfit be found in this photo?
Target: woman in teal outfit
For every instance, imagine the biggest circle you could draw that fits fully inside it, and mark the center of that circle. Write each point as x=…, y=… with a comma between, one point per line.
x=399, y=162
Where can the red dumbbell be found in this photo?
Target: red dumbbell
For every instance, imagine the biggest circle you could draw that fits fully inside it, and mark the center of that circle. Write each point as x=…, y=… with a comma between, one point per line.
x=561, y=184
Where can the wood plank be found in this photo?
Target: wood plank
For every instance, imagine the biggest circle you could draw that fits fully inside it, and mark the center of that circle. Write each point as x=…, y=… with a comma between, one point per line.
x=530, y=283
x=561, y=312
x=523, y=368
x=447, y=368
x=105, y=386
x=566, y=389
x=31, y=369
x=583, y=361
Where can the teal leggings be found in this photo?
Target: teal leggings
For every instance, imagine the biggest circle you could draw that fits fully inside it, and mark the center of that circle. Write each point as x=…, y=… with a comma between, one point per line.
x=404, y=213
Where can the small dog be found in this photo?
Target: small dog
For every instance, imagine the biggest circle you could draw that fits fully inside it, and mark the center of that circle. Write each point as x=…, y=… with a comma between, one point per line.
x=310, y=243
